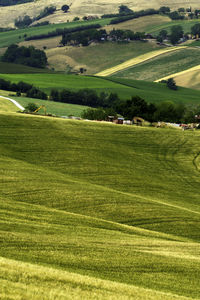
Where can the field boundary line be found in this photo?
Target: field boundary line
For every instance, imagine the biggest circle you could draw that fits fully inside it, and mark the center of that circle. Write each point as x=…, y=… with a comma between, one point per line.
x=196, y=68
x=137, y=60
x=14, y=102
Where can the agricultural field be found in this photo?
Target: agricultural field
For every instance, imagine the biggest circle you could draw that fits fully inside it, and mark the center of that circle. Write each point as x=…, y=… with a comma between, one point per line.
x=164, y=65
x=96, y=57
x=125, y=88
x=17, y=36
x=10, y=68
x=137, y=60
x=186, y=24
x=189, y=78
x=142, y=24
x=73, y=226
x=7, y=106
x=81, y=8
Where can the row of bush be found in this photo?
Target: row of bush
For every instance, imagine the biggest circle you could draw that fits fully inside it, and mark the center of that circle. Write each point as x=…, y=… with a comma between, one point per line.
x=22, y=87
x=60, y=31
x=28, y=56
x=25, y=21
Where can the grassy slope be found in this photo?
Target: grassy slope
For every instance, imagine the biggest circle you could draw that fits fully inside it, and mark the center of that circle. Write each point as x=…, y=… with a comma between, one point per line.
x=157, y=189
x=97, y=57
x=56, y=108
x=9, y=68
x=16, y=36
x=125, y=88
x=139, y=59
x=186, y=24
x=162, y=66
x=143, y=24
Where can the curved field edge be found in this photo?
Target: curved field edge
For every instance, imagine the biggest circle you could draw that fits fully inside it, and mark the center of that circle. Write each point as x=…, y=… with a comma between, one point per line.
x=137, y=60
x=196, y=68
x=36, y=282
x=155, y=198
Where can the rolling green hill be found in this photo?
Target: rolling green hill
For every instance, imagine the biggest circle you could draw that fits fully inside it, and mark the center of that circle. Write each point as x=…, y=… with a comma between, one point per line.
x=125, y=88
x=16, y=36
x=91, y=210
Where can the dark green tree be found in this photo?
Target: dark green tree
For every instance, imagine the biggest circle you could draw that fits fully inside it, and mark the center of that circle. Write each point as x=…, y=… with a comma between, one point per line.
x=176, y=34
x=171, y=84
x=65, y=8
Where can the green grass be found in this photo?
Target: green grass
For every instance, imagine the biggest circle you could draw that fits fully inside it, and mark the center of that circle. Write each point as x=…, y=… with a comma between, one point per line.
x=116, y=203
x=56, y=108
x=96, y=58
x=7, y=106
x=186, y=24
x=163, y=65
x=9, y=68
x=16, y=36
x=125, y=88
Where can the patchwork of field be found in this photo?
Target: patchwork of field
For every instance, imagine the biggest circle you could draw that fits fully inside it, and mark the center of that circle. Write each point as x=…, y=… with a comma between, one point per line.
x=138, y=60
x=189, y=78
x=186, y=24
x=96, y=57
x=125, y=88
x=143, y=24
x=165, y=65
x=73, y=226
x=81, y=8
x=19, y=35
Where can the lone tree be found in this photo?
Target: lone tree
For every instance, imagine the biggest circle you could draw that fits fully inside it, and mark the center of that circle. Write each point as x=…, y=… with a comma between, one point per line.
x=171, y=84
x=65, y=8
x=176, y=34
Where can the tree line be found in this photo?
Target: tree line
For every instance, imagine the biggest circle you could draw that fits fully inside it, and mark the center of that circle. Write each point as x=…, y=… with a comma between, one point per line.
x=60, y=31
x=13, y=2
x=25, y=21
x=22, y=87
x=28, y=56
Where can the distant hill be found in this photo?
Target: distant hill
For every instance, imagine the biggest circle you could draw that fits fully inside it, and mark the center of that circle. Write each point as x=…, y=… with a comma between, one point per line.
x=82, y=7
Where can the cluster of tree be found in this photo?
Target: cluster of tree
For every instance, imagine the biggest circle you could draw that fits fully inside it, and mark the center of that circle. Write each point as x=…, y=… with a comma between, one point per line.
x=93, y=35
x=83, y=37
x=170, y=83
x=86, y=97
x=63, y=31
x=28, y=56
x=126, y=35
x=136, y=106
x=22, y=87
x=13, y=2
x=134, y=15
x=25, y=21
x=175, y=35
x=181, y=13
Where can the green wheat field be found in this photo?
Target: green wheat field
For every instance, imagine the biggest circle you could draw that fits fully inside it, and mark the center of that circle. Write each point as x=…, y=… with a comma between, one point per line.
x=91, y=210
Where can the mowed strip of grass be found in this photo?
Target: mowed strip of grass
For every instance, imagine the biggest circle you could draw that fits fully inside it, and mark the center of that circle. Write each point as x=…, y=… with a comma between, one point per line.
x=53, y=170
x=19, y=35
x=163, y=66
x=137, y=60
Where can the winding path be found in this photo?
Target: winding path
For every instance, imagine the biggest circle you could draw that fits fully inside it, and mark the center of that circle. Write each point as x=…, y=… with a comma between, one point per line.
x=14, y=102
